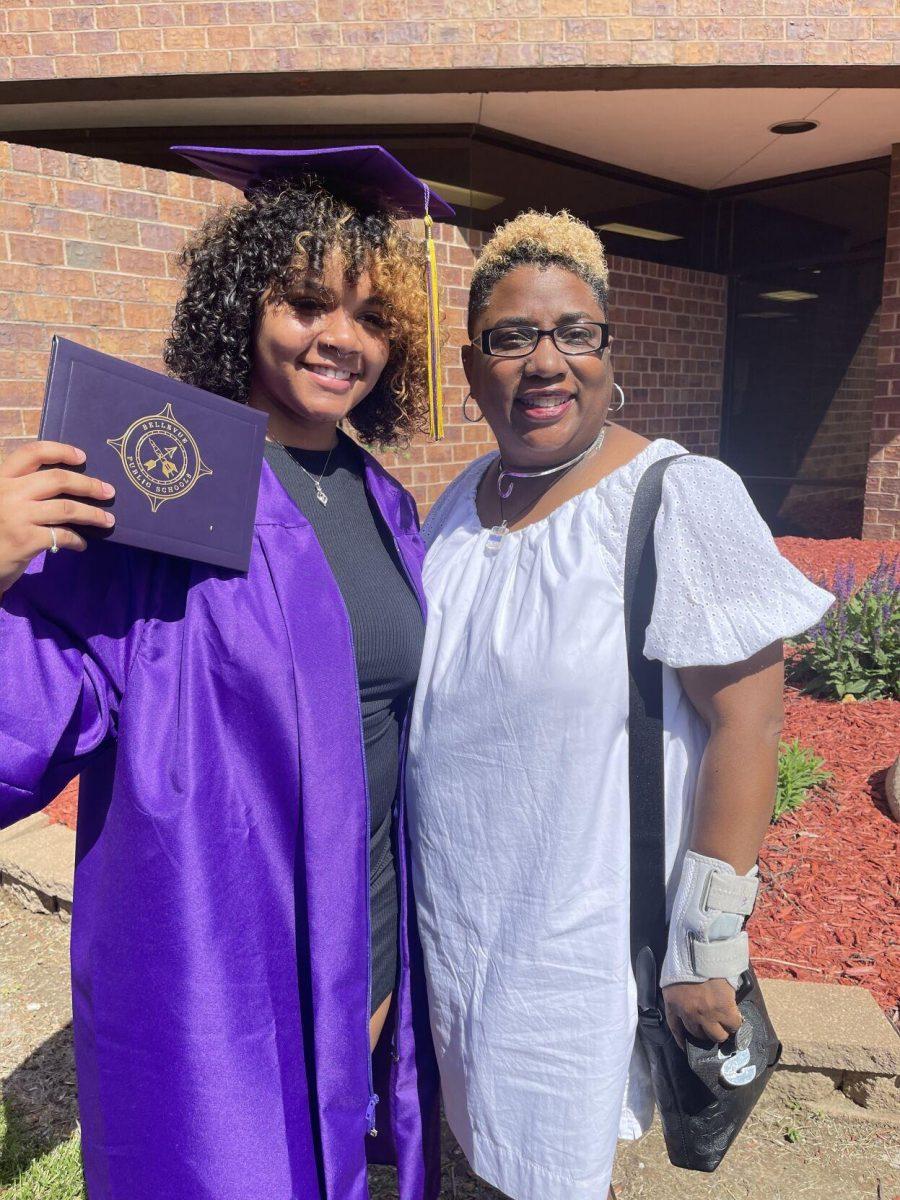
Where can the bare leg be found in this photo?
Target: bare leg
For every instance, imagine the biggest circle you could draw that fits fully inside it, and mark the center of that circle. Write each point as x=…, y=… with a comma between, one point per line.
x=376, y=1024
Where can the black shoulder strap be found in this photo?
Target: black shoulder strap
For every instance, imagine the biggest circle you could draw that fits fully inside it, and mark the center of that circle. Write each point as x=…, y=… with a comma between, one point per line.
x=645, y=740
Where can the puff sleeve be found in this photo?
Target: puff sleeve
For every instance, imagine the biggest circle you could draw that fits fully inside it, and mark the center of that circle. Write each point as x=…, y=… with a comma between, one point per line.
x=723, y=591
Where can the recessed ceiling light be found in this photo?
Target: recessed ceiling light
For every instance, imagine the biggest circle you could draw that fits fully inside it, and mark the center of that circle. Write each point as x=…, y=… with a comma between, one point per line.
x=786, y=127
x=788, y=296
x=762, y=316
x=467, y=197
x=652, y=235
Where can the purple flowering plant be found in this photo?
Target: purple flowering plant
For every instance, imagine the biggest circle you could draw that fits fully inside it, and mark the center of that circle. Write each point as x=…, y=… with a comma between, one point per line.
x=855, y=649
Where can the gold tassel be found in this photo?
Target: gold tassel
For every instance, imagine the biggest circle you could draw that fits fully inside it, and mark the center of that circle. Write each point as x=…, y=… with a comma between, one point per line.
x=435, y=383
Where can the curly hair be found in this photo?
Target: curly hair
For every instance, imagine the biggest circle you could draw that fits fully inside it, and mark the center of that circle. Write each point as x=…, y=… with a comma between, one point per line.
x=539, y=239
x=255, y=249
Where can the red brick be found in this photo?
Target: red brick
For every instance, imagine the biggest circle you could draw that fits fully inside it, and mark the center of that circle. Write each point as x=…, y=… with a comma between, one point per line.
x=28, y=20
x=29, y=249
x=97, y=41
x=90, y=256
x=16, y=217
x=134, y=204
x=255, y=12
x=97, y=312
x=140, y=262
x=141, y=39
x=73, y=18
x=83, y=197
x=34, y=67
x=206, y=14
x=11, y=424
x=117, y=230
x=162, y=16
x=65, y=281
x=82, y=66
x=117, y=16
x=60, y=221
x=50, y=310
x=184, y=39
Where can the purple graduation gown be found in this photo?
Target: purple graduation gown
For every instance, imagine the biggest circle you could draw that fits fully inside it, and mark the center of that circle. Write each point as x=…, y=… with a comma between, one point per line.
x=220, y=965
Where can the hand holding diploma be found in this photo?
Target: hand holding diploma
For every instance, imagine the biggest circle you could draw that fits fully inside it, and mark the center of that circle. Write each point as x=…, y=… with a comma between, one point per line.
x=37, y=506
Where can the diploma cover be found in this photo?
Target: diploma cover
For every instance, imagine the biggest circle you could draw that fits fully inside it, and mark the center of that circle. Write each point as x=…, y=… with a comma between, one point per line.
x=185, y=463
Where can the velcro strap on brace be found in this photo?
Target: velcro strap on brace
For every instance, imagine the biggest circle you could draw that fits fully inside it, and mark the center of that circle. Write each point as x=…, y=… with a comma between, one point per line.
x=721, y=960
x=732, y=893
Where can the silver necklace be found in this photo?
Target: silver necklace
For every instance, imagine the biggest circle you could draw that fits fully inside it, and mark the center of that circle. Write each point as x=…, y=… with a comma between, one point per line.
x=499, y=532
x=321, y=494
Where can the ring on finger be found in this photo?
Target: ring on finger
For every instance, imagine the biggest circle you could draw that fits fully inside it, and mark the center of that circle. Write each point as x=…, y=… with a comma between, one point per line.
x=54, y=544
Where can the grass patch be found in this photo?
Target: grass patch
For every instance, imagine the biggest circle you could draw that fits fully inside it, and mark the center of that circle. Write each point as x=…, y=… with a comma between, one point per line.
x=800, y=771
x=32, y=1170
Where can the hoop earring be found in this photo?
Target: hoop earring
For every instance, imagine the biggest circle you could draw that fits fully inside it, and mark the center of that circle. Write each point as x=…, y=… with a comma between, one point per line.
x=471, y=420
x=621, y=403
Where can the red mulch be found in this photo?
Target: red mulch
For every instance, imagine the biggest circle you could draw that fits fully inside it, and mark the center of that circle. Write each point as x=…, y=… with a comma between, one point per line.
x=64, y=809
x=817, y=559
x=829, y=909
x=830, y=906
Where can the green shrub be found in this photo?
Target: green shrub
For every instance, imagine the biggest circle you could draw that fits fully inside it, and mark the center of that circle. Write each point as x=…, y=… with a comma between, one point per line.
x=800, y=770
x=855, y=649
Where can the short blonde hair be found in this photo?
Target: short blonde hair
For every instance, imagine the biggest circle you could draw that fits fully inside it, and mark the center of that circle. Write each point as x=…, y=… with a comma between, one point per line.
x=539, y=239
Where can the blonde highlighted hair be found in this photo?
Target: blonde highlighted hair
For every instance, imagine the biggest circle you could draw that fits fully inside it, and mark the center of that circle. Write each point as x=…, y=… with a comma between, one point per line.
x=539, y=239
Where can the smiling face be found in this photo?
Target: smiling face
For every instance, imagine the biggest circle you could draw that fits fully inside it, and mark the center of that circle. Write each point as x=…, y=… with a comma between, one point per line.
x=318, y=352
x=548, y=406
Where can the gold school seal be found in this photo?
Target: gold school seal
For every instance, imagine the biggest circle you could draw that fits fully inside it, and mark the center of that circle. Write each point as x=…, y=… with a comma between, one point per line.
x=160, y=457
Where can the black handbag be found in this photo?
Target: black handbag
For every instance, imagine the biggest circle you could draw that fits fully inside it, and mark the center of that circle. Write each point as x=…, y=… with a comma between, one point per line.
x=704, y=1095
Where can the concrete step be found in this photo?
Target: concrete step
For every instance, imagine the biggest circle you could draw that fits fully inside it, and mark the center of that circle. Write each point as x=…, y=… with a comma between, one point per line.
x=841, y=1053
x=37, y=865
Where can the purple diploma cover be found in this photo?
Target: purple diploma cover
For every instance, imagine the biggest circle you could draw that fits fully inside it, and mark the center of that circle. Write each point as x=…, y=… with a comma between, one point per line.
x=185, y=463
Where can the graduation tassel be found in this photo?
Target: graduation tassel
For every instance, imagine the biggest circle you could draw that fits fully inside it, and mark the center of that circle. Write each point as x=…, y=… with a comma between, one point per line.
x=435, y=383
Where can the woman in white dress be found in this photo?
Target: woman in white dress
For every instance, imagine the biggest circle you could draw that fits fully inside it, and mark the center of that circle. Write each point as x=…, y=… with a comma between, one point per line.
x=518, y=772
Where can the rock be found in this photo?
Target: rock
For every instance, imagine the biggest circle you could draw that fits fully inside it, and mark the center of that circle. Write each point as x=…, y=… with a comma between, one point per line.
x=879, y=1092
x=804, y=1083
x=892, y=790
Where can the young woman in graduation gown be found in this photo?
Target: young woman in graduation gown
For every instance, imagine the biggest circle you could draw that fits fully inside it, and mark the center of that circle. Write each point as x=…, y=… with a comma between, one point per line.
x=239, y=737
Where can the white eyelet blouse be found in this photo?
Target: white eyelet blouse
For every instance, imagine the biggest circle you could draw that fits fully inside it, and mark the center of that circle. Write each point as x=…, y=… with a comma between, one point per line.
x=518, y=797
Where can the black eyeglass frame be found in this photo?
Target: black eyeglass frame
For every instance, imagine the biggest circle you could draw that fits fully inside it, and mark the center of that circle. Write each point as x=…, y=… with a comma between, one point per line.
x=483, y=338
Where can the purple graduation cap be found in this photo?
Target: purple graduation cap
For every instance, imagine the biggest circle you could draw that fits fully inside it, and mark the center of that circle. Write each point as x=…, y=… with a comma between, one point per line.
x=365, y=176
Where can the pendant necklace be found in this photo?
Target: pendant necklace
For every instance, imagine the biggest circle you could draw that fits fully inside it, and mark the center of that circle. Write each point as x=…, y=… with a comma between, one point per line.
x=504, y=490
x=321, y=494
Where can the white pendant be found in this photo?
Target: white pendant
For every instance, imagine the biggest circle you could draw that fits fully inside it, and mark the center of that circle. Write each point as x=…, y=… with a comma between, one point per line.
x=320, y=496
x=495, y=538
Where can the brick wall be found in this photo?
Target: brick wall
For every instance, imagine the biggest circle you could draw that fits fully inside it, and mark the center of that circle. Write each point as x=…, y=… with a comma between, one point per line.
x=45, y=39
x=91, y=248
x=89, y=251
x=669, y=325
x=881, y=518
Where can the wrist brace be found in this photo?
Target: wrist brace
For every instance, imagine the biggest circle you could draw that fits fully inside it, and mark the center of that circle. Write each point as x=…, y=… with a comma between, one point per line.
x=706, y=932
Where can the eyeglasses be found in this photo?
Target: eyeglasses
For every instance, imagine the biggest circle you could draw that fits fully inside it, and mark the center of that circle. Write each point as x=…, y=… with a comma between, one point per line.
x=517, y=341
